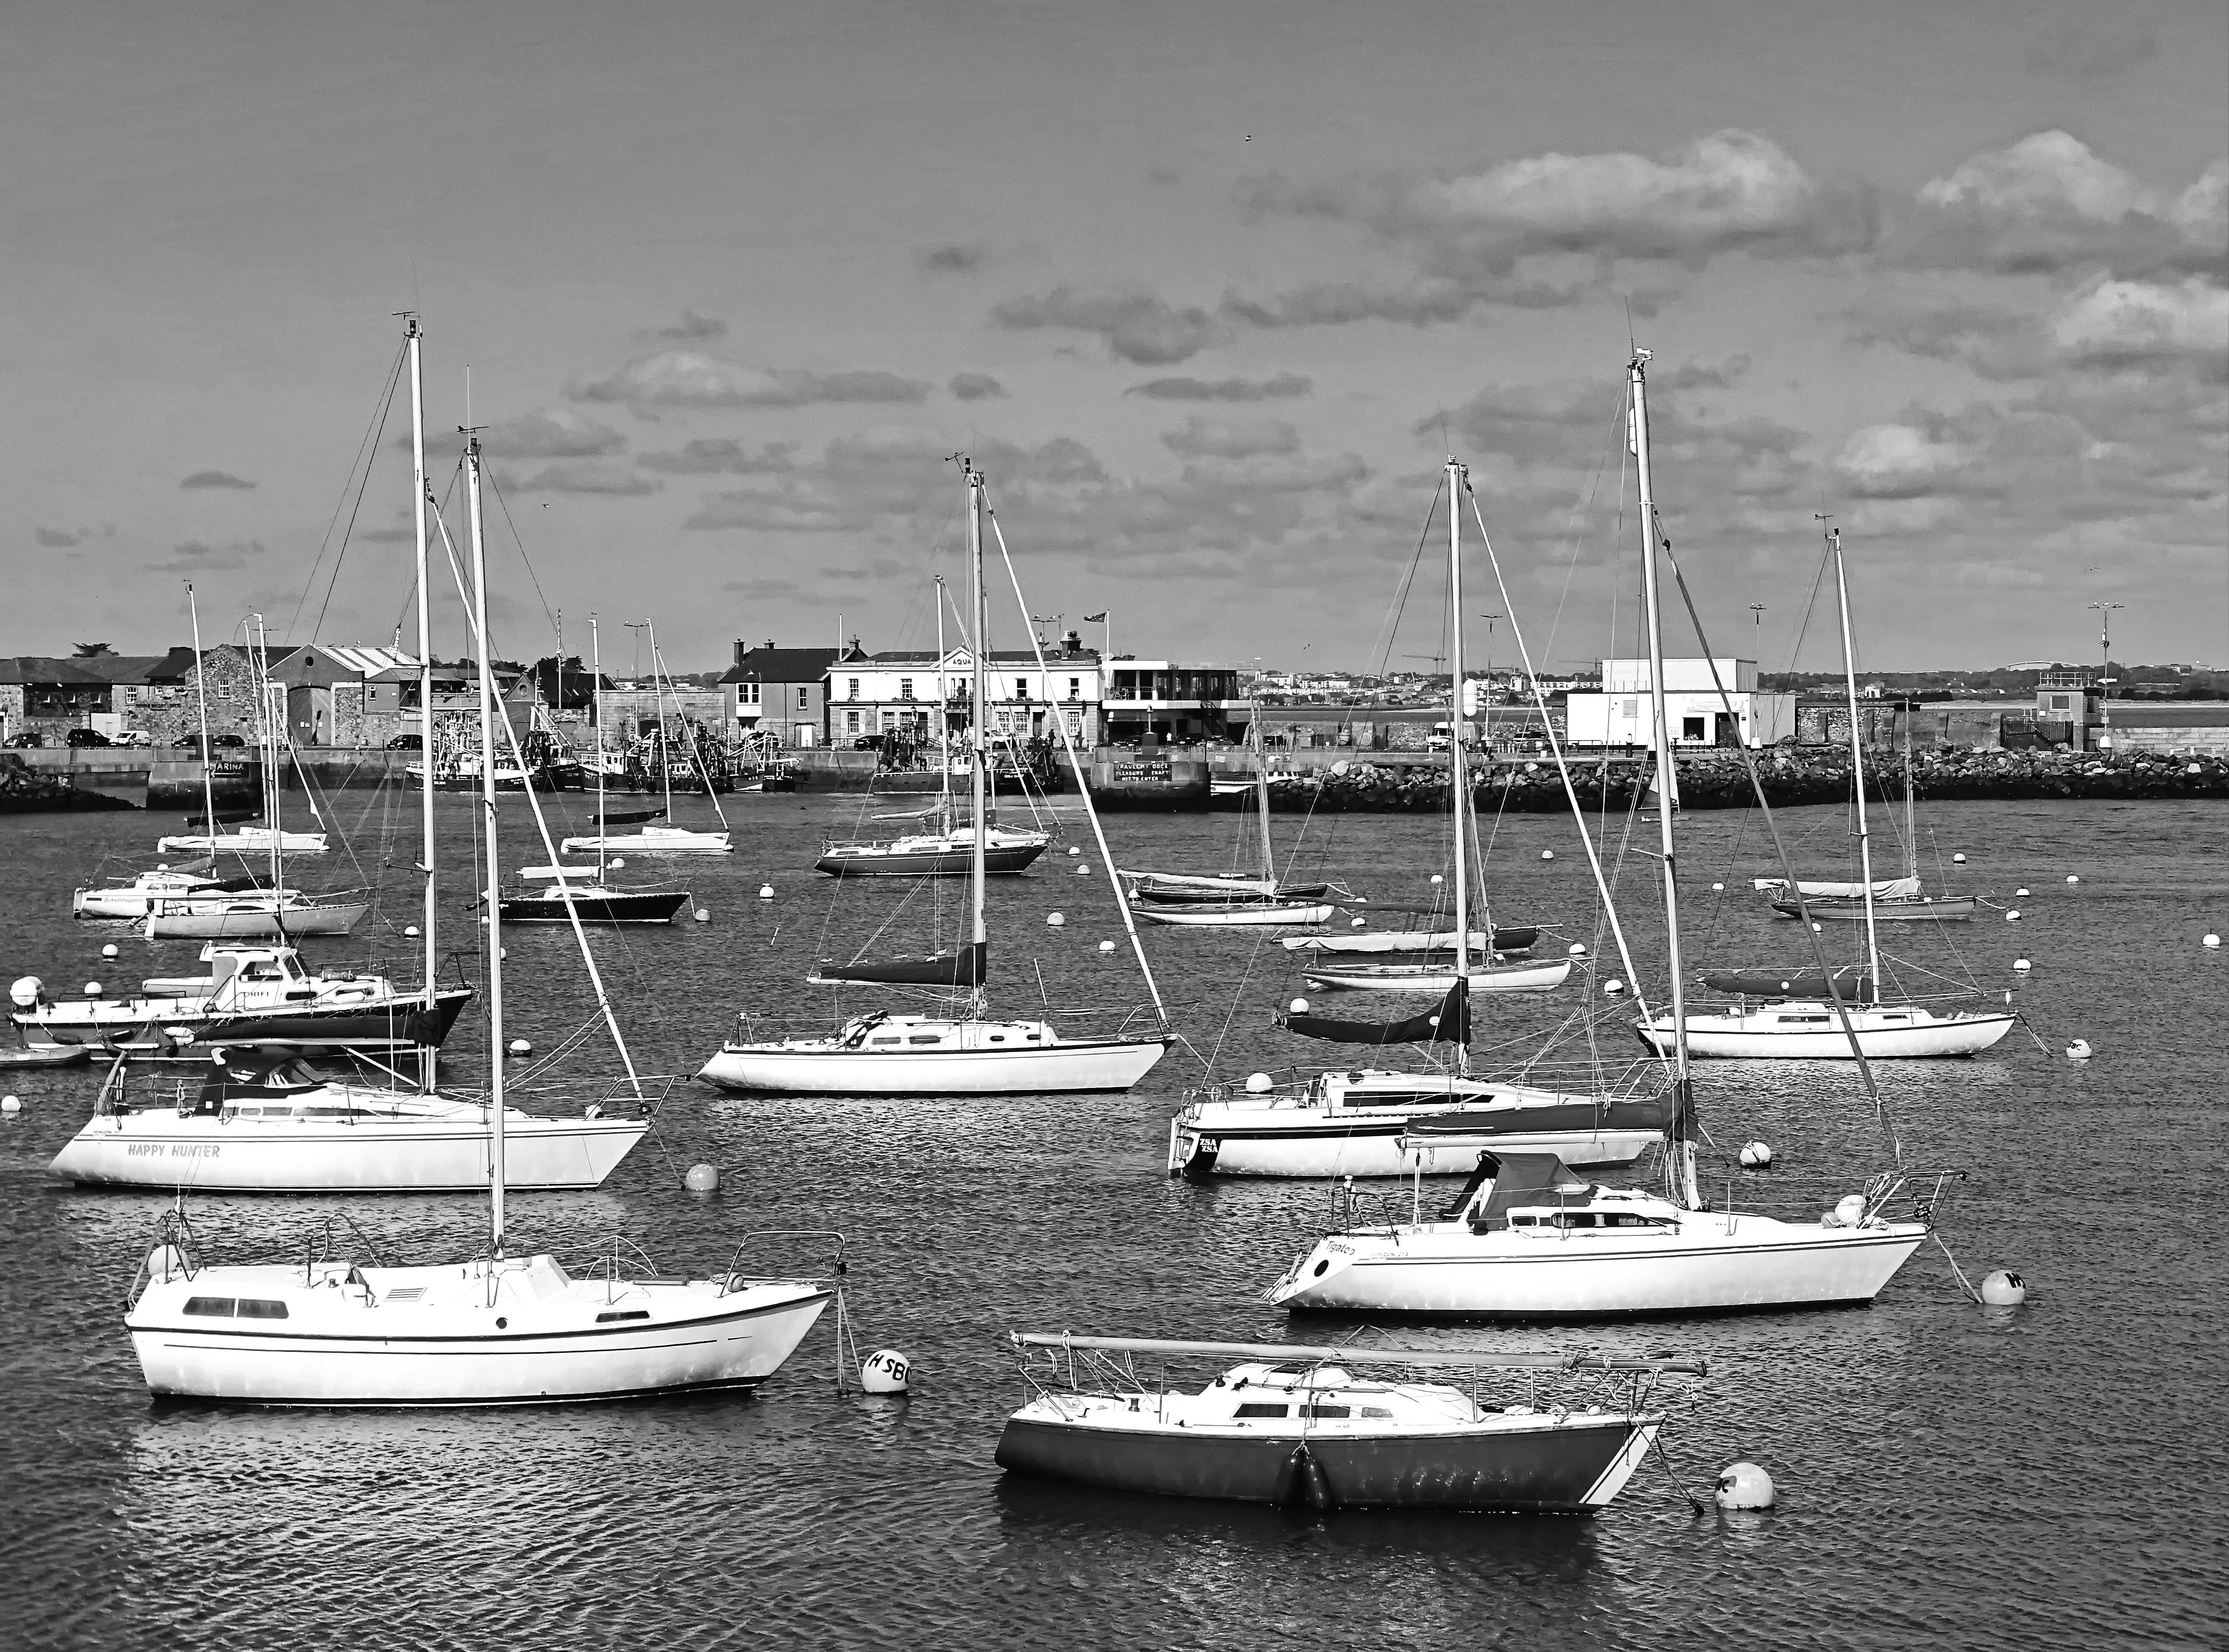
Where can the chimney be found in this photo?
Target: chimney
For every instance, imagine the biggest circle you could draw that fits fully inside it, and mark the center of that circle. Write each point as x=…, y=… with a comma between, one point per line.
x=739, y=651
x=1072, y=643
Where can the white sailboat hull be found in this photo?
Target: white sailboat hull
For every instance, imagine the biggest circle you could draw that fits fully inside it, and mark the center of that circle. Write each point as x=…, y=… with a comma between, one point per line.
x=354, y=1337
x=1208, y=917
x=1318, y=1150
x=1813, y=1033
x=1709, y=1263
x=258, y=920
x=1432, y=978
x=286, y=1155
x=819, y=1067
x=653, y=841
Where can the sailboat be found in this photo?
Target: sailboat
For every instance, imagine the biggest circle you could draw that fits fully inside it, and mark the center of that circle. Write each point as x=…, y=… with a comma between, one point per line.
x=1790, y=1026
x=485, y=1328
x=1375, y=1122
x=1208, y=901
x=659, y=840
x=582, y=890
x=246, y=840
x=1529, y=1238
x=947, y=849
x=966, y=1053
x=1888, y=900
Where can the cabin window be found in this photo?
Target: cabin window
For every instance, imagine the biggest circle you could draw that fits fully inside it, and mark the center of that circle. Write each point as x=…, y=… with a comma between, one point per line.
x=623, y=1313
x=1264, y=1410
x=892, y=1038
x=1895, y=1017
x=926, y=1038
x=1036, y=1038
x=261, y=1308
x=1376, y=1411
x=1326, y=1410
x=1525, y=1221
x=998, y=1037
x=1804, y=1020
x=216, y=1307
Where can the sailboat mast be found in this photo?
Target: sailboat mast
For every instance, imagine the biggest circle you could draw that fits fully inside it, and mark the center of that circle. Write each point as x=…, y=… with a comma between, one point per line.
x=1458, y=751
x=943, y=722
x=596, y=677
x=1261, y=743
x=1857, y=760
x=270, y=731
x=201, y=701
x=980, y=932
x=1911, y=831
x=419, y=496
x=1681, y=1137
x=494, y=857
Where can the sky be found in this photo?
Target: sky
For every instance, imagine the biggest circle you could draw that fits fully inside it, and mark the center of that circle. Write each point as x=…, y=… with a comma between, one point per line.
x=1210, y=290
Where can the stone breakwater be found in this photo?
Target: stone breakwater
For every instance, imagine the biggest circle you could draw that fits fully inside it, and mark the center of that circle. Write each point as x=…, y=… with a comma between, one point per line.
x=1716, y=782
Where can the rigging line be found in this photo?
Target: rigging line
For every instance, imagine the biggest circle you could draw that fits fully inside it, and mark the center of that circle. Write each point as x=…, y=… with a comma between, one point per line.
x=1581, y=513
x=341, y=555
x=1390, y=628
x=504, y=505
x=367, y=450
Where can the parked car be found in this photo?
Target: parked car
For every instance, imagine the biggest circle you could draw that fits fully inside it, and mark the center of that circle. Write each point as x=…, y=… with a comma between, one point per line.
x=131, y=737
x=82, y=737
x=407, y=742
x=868, y=742
x=28, y=738
x=227, y=740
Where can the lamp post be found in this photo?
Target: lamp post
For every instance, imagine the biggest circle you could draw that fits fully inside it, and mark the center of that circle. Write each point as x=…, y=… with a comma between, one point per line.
x=2104, y=613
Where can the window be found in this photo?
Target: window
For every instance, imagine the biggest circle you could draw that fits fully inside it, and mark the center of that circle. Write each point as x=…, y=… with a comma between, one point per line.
x=804, y=695
x=216, y=1307
x=747, y=693
x=1692, y=729
x=1258, y=1409
x=905, y=688
x=252, y=1307
x=623, y=1313
x=850, y=690
x=851, y=722
x=1075, y=688
x=1021, y=688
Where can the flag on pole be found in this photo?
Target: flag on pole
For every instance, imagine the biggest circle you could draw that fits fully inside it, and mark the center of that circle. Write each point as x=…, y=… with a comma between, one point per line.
x=1094, y=619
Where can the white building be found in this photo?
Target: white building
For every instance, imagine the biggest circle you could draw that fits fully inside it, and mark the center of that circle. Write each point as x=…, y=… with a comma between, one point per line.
x=904, y=689
x=1620, y=714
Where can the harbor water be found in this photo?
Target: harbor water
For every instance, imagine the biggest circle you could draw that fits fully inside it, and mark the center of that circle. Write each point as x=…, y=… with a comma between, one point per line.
x=1949, y=1476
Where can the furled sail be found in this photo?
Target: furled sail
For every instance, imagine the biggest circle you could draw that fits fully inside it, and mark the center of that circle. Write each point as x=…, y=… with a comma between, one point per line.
x=1449, y=1023
x=968, y=966
x=1889, y=889
x=1855, y=986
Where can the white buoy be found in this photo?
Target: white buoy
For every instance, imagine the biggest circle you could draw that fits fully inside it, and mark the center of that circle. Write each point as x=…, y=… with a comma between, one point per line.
x=766, y=891
x=2211, y=940
x=1850, y=1209
x=1055, y=920
x=1547, y=854
x=1718, y=889
x=92, y=989
x=1613, y=988
x=1744, y=1485
x=1577, y=951
x=1075, y=849
x=109, y=951
x=702, y=1178
x=411, y=930
x=1257, y=1083
x=1299, y=1007
x=1957, y=860
x=1436, y=878
x=10, y=1105
x=617, y=864
x=885, y=1371
x=25, y=991
x=1106, y=945
x=703, y=914
x=2079, y=1050
x=1755, y=1155
x=2019, y=894
x=521, y=1047
x=1356, y=923
x=2022, y=966
x=2004, y=1288
x=2013, y=916
x=2071, y=878
x=1083, y=872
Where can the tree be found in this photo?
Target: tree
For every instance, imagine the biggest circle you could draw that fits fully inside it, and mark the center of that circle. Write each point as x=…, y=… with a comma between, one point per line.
x=88, y=650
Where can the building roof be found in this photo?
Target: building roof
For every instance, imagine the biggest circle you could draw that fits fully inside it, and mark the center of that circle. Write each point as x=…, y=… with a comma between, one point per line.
x=772, y=665
x=928, y=657
x=112, y=669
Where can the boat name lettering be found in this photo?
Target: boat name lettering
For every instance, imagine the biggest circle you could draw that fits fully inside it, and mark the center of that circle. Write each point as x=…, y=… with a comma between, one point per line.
x=178, y=1150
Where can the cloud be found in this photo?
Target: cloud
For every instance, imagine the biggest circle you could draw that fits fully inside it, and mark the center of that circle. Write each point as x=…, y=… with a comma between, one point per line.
x=2125, y=324
x=215, y=478
x=954, y=258
x=710, y=454
x=1136, y=324
x=1222, y=439
x=693, y=328
x=2085, y=51
x=62, y=538
x=554, y=433
x=1281, y=387
x=698, y=378
x=195, y=556
x=976, y=387
x=1902, y=461
x=587, y=475
x=2048, y=203
x=2106, y=325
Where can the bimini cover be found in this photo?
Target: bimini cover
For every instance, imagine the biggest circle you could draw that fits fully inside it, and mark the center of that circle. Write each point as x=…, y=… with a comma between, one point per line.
x=1891, y=889
x=1449, y=1023
x=969, y=967
x=1855, y=986
x=1528, y=1178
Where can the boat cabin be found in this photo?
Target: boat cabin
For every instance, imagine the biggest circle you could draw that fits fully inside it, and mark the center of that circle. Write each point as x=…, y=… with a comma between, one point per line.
x=921, y=1033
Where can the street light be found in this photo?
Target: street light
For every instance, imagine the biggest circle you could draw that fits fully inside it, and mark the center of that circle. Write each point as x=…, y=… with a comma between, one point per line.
x=2104, y=613
x=1756, y=613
